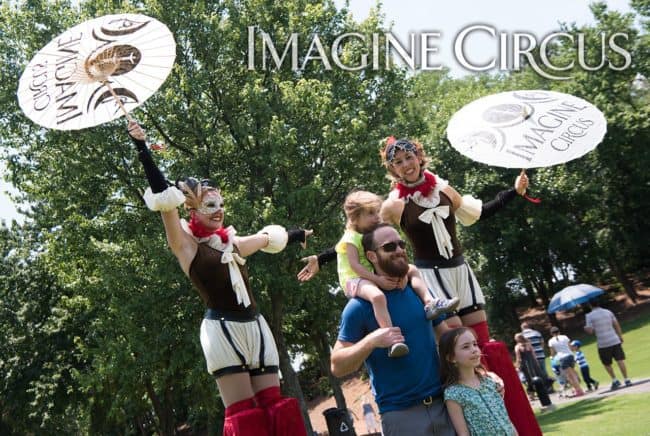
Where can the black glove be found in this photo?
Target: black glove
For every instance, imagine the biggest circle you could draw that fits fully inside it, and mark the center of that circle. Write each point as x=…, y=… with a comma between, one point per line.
x=296, y=235
x=502, y=198
x=155, y=178
x=326, y=256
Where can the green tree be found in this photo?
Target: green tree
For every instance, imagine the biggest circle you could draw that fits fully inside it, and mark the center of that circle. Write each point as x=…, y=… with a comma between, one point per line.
x=284, y=145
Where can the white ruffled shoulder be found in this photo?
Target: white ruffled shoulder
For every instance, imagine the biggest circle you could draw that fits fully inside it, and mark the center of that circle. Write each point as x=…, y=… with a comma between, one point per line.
x=169, y=199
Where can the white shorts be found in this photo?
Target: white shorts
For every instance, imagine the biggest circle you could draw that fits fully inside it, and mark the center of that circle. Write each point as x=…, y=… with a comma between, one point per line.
x=239, y=346
x=457, y=281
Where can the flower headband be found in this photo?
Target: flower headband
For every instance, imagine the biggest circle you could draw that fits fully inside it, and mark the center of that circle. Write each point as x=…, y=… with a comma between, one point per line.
x=398, y=144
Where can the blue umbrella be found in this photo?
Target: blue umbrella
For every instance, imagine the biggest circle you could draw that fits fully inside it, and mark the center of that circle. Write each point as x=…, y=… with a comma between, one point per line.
x=573, y=296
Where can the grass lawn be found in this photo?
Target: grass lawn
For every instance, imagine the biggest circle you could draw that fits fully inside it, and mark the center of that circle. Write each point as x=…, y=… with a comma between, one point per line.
x=619, y=415
x=624, y=414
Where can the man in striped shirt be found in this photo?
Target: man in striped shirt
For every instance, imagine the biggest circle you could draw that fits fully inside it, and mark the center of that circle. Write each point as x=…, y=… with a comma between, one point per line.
x=609, y=337
x=537, y=341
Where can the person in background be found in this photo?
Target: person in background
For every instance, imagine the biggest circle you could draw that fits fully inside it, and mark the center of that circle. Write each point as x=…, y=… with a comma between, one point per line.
x=527, y=363
x=537, y=341
x=609, y=337
x=584, y=366
x=369, y=416
x=559, y=345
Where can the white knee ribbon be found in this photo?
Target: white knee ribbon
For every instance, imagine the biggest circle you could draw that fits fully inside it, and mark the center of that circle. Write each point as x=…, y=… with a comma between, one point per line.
x=435, y=217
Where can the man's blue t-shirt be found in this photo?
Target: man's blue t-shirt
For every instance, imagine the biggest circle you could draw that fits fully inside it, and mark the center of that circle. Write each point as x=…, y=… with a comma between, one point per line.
x=402, y=382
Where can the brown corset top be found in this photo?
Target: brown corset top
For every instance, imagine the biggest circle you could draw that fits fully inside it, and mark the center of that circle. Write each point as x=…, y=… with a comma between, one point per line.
x=212, y=279
x=420, y=234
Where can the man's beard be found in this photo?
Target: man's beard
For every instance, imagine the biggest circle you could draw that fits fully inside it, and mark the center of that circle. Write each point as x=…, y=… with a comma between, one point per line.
x=394, y=265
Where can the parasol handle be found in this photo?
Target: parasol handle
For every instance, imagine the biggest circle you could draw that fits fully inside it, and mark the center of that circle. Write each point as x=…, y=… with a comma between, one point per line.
x=526, y=196
x=119, y=102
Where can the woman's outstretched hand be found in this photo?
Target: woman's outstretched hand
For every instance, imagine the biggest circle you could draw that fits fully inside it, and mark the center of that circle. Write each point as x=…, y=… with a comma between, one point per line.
x=310, y=269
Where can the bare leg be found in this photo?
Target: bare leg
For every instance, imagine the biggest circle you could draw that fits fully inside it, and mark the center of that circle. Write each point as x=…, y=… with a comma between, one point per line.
x=369, y=292
x=376, y=297
x=473, y=318
x=419, y=286
x=610, y=371
x=235, y=387
x=262, y=382
x=621, y=366
x=572, y=377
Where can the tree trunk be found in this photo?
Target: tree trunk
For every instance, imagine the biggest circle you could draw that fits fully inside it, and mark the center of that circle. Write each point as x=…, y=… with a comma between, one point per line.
x=165, y=420
x=530, y=292
x=622, y=278
x=290, y=379
x=335, y=383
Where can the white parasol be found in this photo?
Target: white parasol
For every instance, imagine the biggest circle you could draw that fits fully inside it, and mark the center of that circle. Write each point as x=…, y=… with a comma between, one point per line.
x=97, y=70
x=526, y=129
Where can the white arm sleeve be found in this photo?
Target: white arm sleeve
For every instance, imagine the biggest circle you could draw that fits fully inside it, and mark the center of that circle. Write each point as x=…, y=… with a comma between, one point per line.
x=278, y=238
x=169, y=199
x=469, y=211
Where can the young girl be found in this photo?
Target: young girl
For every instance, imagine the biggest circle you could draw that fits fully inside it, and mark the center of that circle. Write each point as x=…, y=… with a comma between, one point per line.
x=473, y=402
x=356, y=275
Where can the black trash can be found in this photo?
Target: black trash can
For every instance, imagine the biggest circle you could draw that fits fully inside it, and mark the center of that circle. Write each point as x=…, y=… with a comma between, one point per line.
x=339, y=422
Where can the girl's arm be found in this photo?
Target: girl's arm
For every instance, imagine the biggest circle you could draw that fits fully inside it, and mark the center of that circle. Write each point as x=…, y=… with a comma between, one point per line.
x=457, y=418
x=353, y=257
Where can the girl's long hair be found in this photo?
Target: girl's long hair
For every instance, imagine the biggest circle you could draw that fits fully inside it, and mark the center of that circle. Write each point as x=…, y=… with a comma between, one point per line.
x=448, y=370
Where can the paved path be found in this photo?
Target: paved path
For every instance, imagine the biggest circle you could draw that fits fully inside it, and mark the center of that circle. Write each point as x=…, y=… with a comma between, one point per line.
x=638, y=386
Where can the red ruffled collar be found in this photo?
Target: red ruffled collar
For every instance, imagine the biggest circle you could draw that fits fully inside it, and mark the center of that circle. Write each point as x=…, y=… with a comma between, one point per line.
x=200, y=231
x=424, y=187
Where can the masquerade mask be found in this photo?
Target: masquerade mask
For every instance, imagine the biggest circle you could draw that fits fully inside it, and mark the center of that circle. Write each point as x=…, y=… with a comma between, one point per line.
x=389, y=247
x=212, y=202
x=400, y=144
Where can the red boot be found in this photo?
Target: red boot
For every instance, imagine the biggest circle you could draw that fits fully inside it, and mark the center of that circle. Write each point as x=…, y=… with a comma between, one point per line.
x=284, y=416
x=244, y=419
x=520, y=412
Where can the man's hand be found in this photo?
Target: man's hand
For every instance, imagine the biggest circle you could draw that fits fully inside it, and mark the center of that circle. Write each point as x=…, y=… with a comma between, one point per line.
x=385, y=337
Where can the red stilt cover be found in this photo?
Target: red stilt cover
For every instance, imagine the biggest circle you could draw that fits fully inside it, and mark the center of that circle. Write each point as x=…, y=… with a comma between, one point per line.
x=285, y=418
x=244, y=419
x=495, y=354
